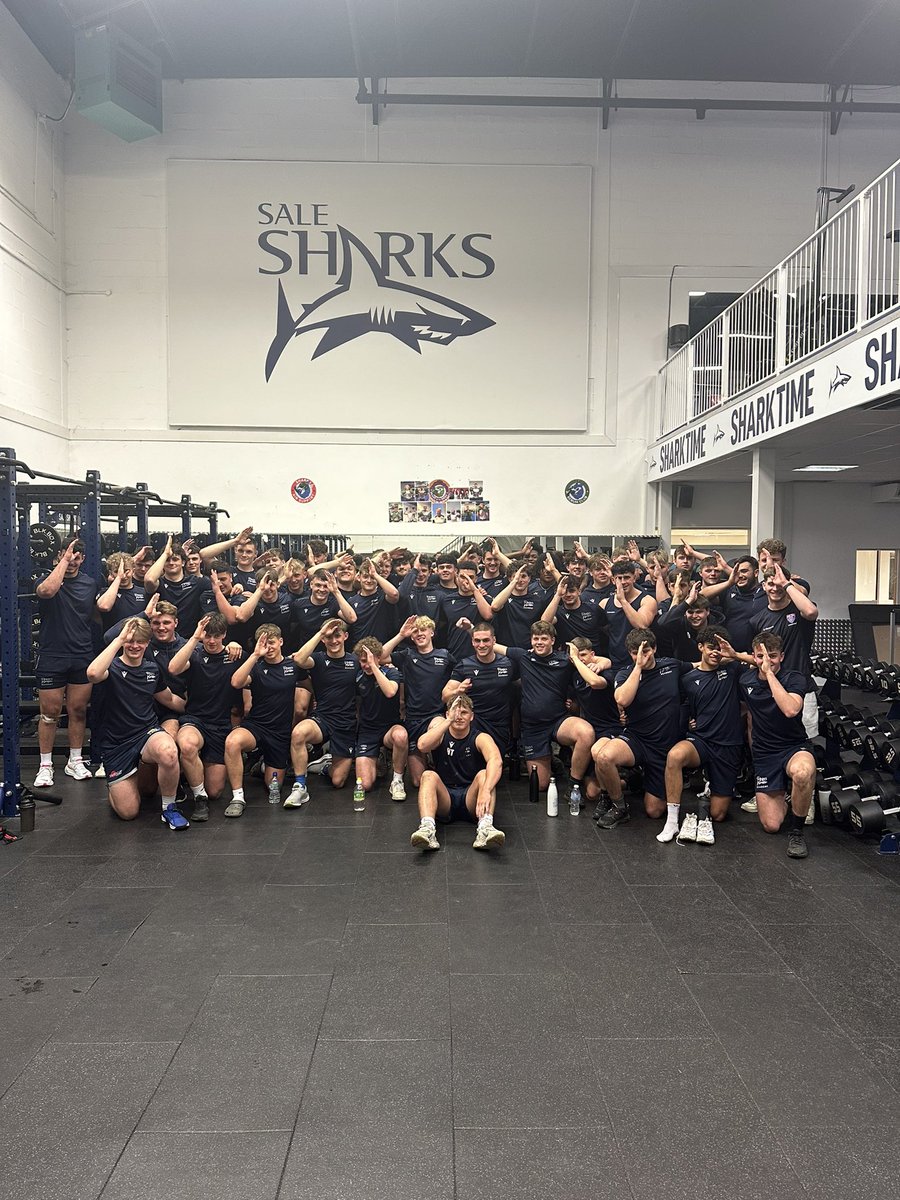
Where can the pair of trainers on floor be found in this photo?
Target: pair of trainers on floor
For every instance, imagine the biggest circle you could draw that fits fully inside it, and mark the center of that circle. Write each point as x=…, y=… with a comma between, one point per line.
x=487, y=835
x=76, y=768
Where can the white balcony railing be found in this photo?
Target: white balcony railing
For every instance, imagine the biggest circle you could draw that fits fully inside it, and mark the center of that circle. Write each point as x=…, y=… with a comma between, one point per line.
x=845, y=275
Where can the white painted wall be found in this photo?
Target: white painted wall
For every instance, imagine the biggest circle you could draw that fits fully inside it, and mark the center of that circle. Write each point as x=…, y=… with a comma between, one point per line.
x=32, y=304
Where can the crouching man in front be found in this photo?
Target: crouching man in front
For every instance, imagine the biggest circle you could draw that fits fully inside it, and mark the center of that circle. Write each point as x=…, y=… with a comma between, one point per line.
x=137, y=754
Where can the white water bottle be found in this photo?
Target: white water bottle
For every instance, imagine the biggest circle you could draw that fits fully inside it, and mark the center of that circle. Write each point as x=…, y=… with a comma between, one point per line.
x=552, y=799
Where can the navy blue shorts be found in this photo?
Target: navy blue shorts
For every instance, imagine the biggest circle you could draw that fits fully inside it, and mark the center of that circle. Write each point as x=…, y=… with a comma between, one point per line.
x=213, y=749
x=55, y=671
x=608, y=731
x=770, y=768
x=535, y=742
x=652, y=762
x=458, y=810
x=275, y=747
x=341, y=742
x=415, y=729
x=123, y=760
x=722, y=763
x=499, y=736
x=370, y=742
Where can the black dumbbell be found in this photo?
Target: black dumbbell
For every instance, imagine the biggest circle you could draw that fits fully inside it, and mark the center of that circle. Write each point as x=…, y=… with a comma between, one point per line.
x=889, y=682
x=853, y=786
x=867, y=814
x=853, y=737
x=879, y=741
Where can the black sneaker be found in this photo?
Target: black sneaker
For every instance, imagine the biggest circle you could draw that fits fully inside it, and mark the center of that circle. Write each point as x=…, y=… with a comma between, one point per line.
x=797, y=844
x=614, y=816
x=604, y=804
x=201, y=809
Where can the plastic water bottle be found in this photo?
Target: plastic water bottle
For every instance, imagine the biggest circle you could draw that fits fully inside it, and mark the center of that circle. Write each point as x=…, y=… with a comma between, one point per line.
x=575, y=800
x=359, y=796
x=552, y=798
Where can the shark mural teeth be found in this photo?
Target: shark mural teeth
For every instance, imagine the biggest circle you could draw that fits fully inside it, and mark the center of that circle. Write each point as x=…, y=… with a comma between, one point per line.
x=365, y=301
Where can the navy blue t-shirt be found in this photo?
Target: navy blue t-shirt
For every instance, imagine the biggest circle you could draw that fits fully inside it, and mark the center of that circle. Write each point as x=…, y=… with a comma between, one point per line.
x=545, y=685
x=654, y=716
x=130, y=602
x=419, y=601
x=247, y=579
x=454, y=607
x=597, y=705
x=375, y=616
x=65, y=630
x=188, y=596
x=376, y=710
x=163, y=653
x=773, y=732
x=738, y=607
x=334, y=686
x=588, y=620
x=129, y=710
x=279, y=611
x=424, y=677
x=210, y=696
x=796, y=635
x=619, y=627
x=491, y=692
x=713, y=701
x=272, y=693
x=308, y=618
x=515, y=619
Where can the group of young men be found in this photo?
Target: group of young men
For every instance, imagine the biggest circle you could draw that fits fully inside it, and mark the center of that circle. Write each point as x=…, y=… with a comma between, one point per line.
x=435, y=670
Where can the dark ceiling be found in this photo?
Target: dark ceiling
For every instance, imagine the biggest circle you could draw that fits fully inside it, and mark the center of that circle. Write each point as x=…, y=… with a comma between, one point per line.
x=776, y=41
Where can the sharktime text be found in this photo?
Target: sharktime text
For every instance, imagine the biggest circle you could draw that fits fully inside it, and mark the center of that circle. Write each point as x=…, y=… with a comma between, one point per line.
x=296, y=238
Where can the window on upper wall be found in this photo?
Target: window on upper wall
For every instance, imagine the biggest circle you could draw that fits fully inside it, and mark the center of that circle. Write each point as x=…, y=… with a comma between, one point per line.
x=876, y=577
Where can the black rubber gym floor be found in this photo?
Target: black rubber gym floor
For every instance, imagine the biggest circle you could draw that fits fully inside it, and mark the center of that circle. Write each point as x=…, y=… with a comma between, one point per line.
x=298, y=1005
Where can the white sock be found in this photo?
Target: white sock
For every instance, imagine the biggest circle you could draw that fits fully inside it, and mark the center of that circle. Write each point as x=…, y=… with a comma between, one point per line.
x=238, y=794
x=46, y=760
x=487, y=819
x=167, y=800
x=75, y=754
x=671, y=826
x=427, y=822
x=398, y=777
x=199, y=791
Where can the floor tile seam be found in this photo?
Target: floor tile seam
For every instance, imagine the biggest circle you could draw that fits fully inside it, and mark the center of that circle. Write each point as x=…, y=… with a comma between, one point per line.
x=772, y=1126
x=296, y=1121
x=141, y=1133
x=140, y=1116
x=47, y=1039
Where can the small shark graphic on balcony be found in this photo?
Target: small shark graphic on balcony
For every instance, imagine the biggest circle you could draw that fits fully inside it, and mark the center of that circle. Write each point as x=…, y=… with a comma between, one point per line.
x=365, y=301
x=841, y=378
x=720, y=433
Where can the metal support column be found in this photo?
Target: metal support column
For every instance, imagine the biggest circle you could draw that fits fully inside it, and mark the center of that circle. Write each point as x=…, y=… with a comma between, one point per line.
x=90, y=525
x=762, y=497
x=142, y=505
x=185, y=518
x=9, y=635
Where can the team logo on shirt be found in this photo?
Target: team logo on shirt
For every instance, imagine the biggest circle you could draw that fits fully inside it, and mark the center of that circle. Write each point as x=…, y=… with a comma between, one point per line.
x=791, y=618
x=367, y=301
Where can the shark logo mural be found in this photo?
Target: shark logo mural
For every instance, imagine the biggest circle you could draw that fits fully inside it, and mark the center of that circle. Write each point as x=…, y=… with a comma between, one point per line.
x=365, y=301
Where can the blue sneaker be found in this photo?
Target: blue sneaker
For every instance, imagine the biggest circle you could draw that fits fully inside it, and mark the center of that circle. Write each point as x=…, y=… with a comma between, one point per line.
x=174, y=819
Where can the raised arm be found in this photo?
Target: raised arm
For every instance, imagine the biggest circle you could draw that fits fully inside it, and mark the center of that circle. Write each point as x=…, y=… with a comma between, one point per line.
x=107, y=599
x=54, y=581
x=154, y=572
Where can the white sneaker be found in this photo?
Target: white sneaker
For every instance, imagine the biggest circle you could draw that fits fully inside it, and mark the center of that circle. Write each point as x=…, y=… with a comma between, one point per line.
x=705, y=835
x=425, y=838
x=811, y=815
x=321, y=766
x=296, y=797
x=398, y=791
x=100, y=773
x=688, y=830
x=77, y=770
x=44, y=777
x=488, y=837
x=749, y=806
